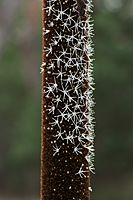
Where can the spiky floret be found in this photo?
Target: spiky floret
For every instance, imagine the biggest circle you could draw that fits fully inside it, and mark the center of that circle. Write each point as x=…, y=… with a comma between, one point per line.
x=69, y=83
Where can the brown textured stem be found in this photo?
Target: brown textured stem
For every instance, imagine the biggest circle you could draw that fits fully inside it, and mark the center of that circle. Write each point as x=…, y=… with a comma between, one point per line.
x=66, y=132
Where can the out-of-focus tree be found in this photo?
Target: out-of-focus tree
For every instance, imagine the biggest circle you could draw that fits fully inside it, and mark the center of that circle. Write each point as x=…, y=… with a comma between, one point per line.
x=114, y=96
x=20, y=97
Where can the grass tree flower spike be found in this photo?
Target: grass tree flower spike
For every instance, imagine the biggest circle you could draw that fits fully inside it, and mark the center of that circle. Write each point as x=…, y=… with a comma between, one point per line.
x=67, y=150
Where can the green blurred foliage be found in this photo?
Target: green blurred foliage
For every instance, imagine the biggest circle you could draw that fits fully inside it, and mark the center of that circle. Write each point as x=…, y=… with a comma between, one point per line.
x=20, y=108
x=114, y=83
x=20, y=127
x=114, y=96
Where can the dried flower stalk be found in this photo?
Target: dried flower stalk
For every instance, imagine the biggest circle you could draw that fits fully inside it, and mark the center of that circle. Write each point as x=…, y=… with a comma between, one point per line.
x=67, y=157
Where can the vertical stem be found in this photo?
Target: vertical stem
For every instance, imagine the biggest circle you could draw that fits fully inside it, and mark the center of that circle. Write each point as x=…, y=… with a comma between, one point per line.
x=67, y=149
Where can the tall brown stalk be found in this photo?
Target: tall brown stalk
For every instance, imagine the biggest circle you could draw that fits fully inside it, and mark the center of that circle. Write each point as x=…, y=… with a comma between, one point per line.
x=67, y=150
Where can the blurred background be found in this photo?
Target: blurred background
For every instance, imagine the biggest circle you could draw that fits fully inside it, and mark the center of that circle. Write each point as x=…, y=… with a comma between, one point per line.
x=20, y=99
